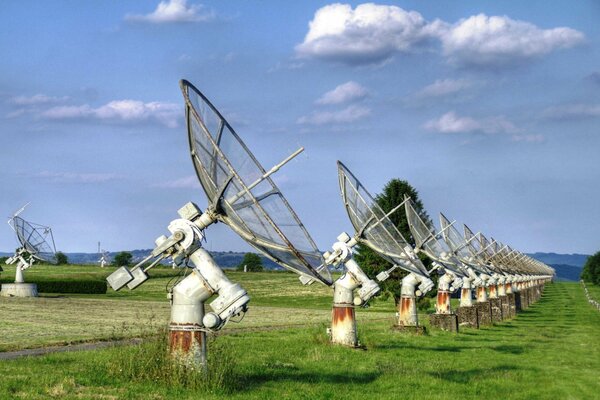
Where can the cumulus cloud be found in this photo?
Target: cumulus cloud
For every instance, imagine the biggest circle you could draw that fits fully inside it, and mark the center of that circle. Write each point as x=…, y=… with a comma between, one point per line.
x=349, y=114
x=38, y=99
x=482, y=40
x=344, y=93
x=368, y=34
x=119, y=111
x=371, y=34
x=174, y=11
x=453, y=123
x=572, y=111
x=444, y=87
x=76, y=177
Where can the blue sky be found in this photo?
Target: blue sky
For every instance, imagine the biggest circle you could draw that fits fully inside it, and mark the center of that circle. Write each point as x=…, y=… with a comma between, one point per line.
x=490, y=109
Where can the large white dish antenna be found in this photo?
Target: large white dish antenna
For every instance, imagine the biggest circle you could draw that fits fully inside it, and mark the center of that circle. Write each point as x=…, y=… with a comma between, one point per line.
x=241, y=196
x=373, y=227
x=430, y=242
x=460, y=245
x=36, y=239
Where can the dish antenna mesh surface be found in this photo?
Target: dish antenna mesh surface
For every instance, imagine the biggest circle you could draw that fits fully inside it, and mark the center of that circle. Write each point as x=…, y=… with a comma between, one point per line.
x=461, y=246
x=427, y=239
x=234, y=182
x=36, y=239
x=373, y=226
x=36, y=243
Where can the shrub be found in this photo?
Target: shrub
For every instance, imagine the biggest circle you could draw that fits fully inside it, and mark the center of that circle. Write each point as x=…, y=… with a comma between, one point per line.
x=88, y=286
x=251, y=262
x=424, y=303
x=61, y=258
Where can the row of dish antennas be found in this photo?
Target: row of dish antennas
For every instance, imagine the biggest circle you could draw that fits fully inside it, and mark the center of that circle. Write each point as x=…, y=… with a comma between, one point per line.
x=241, y=194
x=470, y=262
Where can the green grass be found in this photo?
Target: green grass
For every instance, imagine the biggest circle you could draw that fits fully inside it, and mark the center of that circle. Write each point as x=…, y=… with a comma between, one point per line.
x=277, y=299
x=594, y=291
x=550, y=351
x=275, y=289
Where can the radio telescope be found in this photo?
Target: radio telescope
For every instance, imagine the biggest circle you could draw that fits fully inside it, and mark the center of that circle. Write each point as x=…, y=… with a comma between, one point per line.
x=36, y=243
x=477, y=272
x=104, y=257
x=452, y=273
x=241, y=194
x=374, y=229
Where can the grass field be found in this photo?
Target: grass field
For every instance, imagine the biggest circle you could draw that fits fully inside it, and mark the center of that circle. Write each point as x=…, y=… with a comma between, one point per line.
x=277, y=299
x=594, y=291
x=550, y=351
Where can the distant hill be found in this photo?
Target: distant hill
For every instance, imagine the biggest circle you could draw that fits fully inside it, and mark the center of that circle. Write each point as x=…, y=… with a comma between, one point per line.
x=225, y=259
x=567, y=266
x=566, y=272
x=576, y=260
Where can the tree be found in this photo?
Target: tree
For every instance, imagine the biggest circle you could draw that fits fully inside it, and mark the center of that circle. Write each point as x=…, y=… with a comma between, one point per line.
x=3, y=260
x=61, y=258
x=591, y=269
x=252, y=262
x=123, y=259
x=371, y=263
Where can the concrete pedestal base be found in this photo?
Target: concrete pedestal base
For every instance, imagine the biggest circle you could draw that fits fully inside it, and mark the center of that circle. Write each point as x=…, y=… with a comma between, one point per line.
x=518, y=303
x=512, y=305
x=537, y=293
x=19, y=290
x=467, y=316
x=484, y=313
x=524, y=299
x=417, y=330
x=496, y=305
x=446, y=322
x=505, y=307
x=343, y=326
x=188, y=348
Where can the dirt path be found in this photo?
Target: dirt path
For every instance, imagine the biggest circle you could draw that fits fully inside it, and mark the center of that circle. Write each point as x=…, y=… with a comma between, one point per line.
x=11, y=355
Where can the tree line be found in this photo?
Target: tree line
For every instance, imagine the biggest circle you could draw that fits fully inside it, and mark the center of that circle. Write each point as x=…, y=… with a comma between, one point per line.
x=591, y=269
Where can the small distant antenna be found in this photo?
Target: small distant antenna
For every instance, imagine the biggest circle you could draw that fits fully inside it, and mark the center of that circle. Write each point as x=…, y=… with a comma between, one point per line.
x=36, y=243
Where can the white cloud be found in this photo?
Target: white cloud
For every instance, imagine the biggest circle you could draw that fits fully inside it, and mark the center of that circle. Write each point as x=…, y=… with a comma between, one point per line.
x=453, y=123
x=444, y=87
x=572, y=111
x=167, y=114
x=38, y=99
x=498, y=40
x=369, y=34
x=344, y=93
x=75, y=177
x=174, y=11
x=188, y=182
x=349, y=114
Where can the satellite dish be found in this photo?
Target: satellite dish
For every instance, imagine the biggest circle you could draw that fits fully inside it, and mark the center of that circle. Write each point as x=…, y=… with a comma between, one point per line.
x=431, y=243
x=434, y=246
x=36, y=243
x=477, y=272
x=374, y=229
x=241, y=194
x=104, y=257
